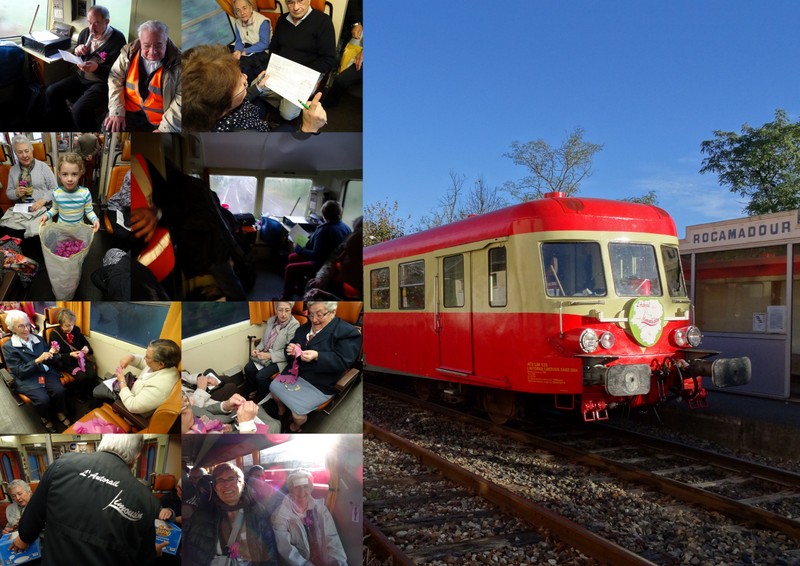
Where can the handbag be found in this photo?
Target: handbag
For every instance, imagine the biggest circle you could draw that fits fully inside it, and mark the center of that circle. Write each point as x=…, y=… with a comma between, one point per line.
x=130, y=379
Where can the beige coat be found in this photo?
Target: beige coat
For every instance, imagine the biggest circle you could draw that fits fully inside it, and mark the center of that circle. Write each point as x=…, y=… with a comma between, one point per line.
x=150, y=390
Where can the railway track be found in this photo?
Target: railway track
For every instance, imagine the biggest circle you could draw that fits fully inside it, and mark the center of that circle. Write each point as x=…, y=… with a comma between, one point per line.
x=629, y=478
x=422, y=509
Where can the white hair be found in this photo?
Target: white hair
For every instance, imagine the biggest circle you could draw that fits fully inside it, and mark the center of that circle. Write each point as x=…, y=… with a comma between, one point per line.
x=19, y=483
x=102, y=10
x=126, y=446
x=14, y=317
x=22, y=139
x=330, y=306
x=154, y=26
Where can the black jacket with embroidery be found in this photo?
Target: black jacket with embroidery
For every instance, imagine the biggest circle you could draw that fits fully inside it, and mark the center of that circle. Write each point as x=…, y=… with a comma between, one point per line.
x=95, y=512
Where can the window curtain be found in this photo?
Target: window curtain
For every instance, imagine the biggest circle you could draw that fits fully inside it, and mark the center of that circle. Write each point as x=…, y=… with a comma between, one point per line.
x=260, y=312
x=82, y=312
x=227, y=5
x=172, y=324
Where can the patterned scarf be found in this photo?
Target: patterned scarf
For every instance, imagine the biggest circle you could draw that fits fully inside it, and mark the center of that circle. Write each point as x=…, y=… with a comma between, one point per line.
x=25, y=176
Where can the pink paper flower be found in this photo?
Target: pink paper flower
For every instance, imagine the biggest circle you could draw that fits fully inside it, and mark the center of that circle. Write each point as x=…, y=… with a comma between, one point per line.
x=103, y=55
x=81, y=363
x=54, y=346
x=233, y=551
x=23, y=183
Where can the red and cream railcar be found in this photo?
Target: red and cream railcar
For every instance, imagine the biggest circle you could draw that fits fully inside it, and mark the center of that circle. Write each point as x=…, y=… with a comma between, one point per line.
x=579, y=298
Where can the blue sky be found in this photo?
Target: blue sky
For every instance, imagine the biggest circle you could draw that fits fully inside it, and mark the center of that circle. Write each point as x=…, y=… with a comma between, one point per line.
x=449, y=88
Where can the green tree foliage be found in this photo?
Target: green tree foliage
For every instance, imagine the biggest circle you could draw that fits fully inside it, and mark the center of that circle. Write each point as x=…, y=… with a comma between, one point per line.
x=552, y=168
x=455, y=204
x=761, y=164
x=648, y=198
x=382, y=221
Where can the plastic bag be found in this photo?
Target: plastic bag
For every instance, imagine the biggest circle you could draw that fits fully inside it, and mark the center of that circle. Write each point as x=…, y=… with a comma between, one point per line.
x=64, y=272
x=351, y=50
x=96, y=425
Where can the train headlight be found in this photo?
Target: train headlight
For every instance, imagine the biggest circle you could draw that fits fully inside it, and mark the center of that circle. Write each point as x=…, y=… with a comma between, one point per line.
x=680, y=338
x=694, y=336
x=589, y=341
x=607, y=340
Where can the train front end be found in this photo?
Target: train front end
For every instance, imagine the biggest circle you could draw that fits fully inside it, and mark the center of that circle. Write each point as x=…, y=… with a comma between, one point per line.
x=619, y=304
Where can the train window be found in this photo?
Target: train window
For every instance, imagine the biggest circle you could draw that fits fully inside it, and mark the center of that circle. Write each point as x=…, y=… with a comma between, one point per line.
x=498, y=278
x=135, y=323
x=379, y=288
x=236, y=191
x=635, y=270
x=672, y=268
x=573, y=269
x=19, y=23
x=204, y=22
x=200, y=317
x=286, y=196
x=453, y=281
x=412, y=285
x=352, y=201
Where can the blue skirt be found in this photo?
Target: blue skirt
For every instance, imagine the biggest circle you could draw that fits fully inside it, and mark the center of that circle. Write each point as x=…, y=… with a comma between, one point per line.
x=301, y=397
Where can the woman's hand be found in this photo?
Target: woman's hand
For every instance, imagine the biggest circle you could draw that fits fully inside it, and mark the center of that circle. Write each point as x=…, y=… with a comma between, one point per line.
x=21, y=191
x=75, y=354
x=85, y=349
x=255, y=352
x=125, y=360
x=38, y=204
x=202, y=382
x=44, y=357
x=264, y=356
x=309, y=355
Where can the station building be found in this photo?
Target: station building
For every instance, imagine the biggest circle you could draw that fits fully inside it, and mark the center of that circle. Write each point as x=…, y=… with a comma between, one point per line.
x=744, y=280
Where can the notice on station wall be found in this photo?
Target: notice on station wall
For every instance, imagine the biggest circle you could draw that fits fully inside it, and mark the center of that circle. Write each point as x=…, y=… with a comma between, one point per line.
x=759, y=322
x=776, y=318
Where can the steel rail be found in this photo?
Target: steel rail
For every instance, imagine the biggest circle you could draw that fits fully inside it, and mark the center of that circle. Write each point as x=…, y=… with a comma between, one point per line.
x=564, y=529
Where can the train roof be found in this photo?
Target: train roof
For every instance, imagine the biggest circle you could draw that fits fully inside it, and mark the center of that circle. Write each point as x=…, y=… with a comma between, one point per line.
x=549, y=214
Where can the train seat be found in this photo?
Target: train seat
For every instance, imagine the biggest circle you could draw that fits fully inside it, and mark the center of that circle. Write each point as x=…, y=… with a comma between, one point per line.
x=160, y=422
x=161, y=484
x=267, y=8
x=5, y=202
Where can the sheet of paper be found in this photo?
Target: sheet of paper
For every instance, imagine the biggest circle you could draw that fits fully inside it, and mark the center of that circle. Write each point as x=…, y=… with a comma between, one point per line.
x=23, y=207
x=110, y=383
x=293, y=81
x=44, y=35
x=298, y=236
x=70, y=58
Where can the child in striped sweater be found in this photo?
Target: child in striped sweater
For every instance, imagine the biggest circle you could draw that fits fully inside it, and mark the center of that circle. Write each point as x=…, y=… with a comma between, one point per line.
x=71, y=202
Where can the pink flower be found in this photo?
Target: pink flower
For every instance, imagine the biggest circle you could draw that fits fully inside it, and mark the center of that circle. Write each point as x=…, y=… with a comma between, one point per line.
x=308, y=520
x=233, y=550
x=54, y=346
x=103, y=55
x=23, y=183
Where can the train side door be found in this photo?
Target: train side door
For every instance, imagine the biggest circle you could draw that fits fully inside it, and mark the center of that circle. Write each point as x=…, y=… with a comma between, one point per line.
x=454, y=313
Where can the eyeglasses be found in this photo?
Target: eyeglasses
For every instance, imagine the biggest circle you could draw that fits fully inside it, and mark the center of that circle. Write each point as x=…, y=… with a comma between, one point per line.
x=226, y=481
x=316, y=315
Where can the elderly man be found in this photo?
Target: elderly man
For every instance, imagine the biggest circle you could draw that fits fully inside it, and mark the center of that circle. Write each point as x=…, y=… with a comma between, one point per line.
x=145, y=84
x=99, y=45
x=94, y=509
x=305, y=36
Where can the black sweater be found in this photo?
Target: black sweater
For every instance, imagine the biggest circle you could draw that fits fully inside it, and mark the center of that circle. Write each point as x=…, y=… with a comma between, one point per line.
x=312, y=43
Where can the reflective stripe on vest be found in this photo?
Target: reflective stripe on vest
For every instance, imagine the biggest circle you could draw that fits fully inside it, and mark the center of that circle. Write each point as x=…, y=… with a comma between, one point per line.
x=158, y=255
x=153, y=105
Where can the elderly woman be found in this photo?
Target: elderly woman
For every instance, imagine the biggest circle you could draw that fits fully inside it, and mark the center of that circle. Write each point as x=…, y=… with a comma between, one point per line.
x=233, y=525
x=29, y=180
x=73, y=347
x=322, y=349
x=153, y=385
x=20, y=493
x=252, y=38
x=269, y=357
x=32, y=363
x=216, y=96
x=304, y=529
